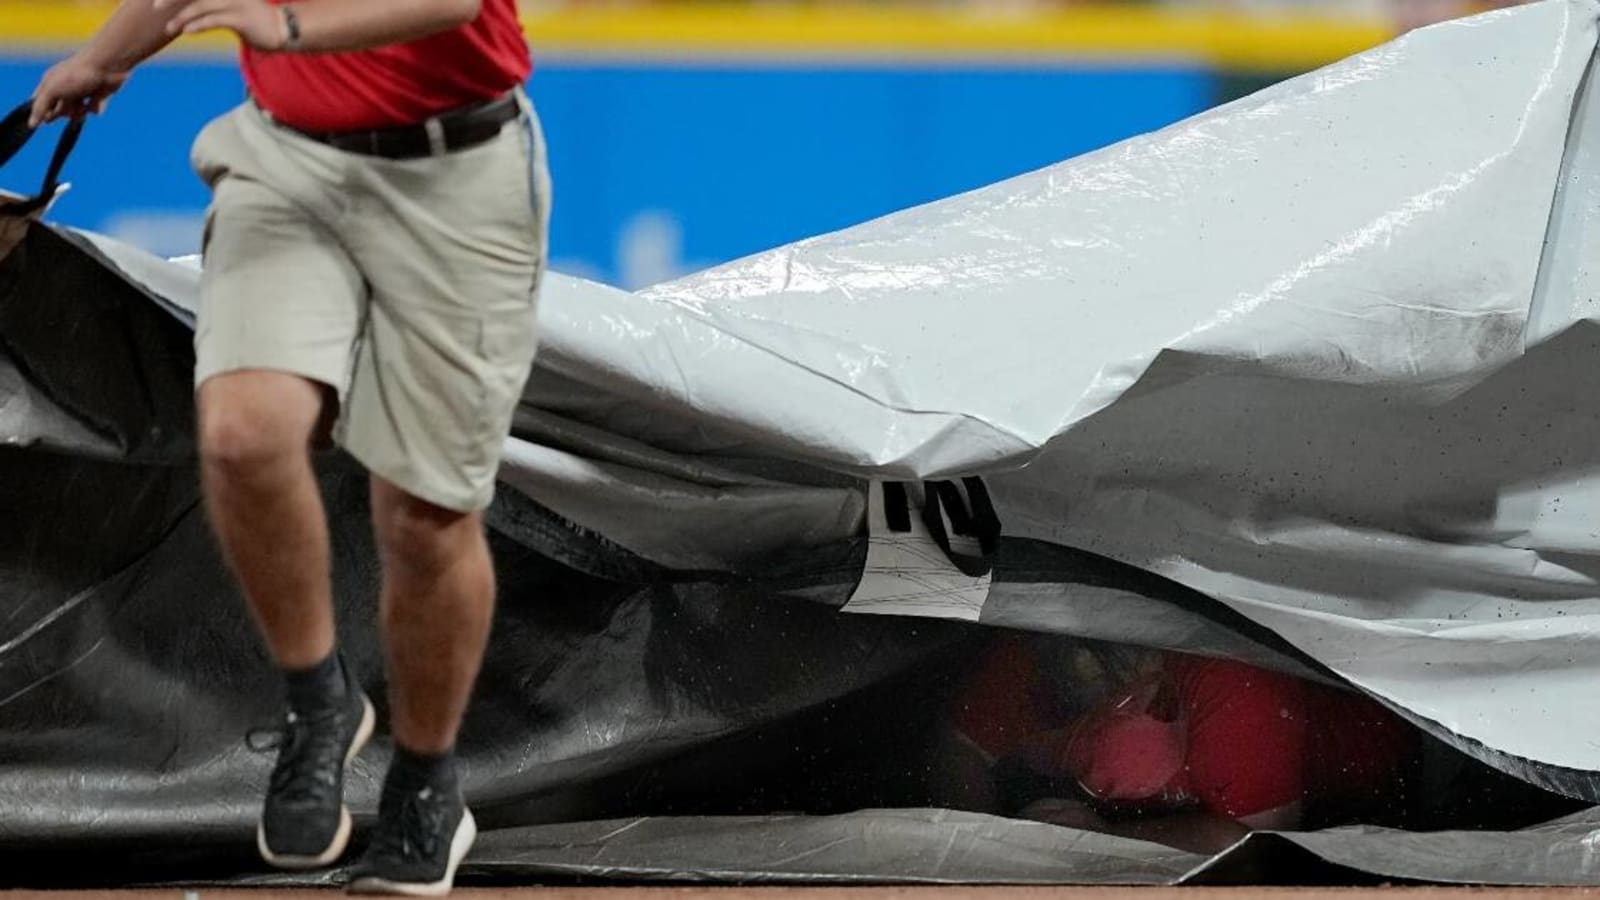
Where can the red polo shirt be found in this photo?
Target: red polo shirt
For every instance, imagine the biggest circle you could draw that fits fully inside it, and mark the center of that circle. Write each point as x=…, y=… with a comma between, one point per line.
x=398, y=85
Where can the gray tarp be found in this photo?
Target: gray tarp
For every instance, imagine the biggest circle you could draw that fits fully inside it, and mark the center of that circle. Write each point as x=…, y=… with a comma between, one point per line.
x=1307, y=380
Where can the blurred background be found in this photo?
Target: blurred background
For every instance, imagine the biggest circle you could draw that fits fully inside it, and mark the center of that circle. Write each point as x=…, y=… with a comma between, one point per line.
x=688, y=133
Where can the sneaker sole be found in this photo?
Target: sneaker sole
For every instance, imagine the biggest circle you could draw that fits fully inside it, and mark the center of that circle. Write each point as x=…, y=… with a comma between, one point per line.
x=341, y=837
x=466, y=833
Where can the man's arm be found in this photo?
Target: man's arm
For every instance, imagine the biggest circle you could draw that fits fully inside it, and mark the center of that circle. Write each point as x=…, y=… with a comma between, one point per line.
x=83, y=82
x=962, y=776
x=324, y=26
x=1197, y=832
x=1204, y=832
x=133, y=34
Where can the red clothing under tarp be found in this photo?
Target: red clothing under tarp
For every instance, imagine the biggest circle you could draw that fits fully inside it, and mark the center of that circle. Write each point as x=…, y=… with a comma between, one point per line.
x=1222, y=736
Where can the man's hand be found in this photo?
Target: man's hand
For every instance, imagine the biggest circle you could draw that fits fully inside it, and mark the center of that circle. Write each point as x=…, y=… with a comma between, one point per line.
x=1066, y=813
x=258, y=23
x=72, y=88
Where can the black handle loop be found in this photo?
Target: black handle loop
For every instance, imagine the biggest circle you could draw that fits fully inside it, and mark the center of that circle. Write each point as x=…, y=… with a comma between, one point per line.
x=976, y=521
x=972, y=516
x=14, y=135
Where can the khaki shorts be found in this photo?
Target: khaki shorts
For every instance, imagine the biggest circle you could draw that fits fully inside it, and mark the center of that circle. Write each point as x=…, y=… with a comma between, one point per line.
x=408, y=286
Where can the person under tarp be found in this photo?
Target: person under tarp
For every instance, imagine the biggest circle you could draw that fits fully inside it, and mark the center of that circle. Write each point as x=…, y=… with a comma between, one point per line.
x=1179, y=749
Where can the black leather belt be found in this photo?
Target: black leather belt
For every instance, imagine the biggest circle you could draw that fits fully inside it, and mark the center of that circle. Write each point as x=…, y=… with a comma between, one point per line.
x=458, y=129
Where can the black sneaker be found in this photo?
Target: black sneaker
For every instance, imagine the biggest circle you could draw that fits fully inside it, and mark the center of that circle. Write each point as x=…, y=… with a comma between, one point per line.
x=421, y=837
x=304, y=822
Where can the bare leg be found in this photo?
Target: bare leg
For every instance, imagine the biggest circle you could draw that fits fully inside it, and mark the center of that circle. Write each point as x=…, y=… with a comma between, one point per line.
x=255, y=429
x=438, y=600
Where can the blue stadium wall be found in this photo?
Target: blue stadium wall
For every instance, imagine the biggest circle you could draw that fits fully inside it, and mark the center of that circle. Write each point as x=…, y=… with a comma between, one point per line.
x=666, y=165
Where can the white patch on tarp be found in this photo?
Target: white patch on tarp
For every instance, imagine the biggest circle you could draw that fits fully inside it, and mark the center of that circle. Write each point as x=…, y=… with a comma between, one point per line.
x=907, y=574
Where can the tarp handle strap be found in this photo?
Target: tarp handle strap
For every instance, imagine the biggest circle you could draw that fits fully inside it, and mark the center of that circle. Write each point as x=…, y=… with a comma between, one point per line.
x=975, y=518
x=971, y=516
x=14, y=135
x=896, y=507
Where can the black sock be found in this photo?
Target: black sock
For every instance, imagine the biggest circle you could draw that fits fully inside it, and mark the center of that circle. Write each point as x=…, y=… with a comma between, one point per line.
x=314, y=688
x=413, y=771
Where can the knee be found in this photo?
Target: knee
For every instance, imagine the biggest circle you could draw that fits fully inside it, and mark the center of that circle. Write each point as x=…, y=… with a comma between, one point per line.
x=414, y=534
x=238, y=439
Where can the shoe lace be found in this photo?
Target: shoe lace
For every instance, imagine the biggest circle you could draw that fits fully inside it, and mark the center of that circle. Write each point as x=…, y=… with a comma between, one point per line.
x=413, y=827
x=310, y=756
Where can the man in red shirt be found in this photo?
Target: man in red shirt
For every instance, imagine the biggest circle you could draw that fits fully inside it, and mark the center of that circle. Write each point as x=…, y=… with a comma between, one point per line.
x=1178, y=749
x=373, y=255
